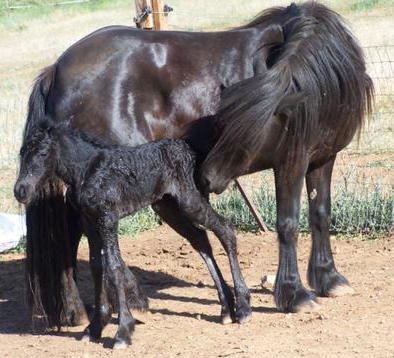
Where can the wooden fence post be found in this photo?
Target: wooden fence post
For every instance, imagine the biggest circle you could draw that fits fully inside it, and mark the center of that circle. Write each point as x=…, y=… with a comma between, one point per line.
x=159, y=20
x=144, y=16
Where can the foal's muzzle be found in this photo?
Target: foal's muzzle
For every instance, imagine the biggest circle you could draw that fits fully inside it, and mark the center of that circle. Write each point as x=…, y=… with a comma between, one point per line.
x=22, y=192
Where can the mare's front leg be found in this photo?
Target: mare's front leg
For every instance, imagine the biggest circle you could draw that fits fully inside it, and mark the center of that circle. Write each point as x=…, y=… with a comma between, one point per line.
x=169, y=211
x=290, y=294
x=198, y=210
x=323, y=276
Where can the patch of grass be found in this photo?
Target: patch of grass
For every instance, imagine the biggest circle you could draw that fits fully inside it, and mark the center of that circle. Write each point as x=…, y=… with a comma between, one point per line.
x=144, y=219
x=365, y=5
x=18, y=17
x=367, y=209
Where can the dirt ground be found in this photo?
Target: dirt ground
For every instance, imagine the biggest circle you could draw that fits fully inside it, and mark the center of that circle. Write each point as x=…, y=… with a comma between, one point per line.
x=184, y=312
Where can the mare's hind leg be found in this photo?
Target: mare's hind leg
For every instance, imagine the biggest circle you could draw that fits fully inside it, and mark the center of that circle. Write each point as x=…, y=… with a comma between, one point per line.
x=198, y=210
x=290, y=294
x=169, y=211
x=323, y=276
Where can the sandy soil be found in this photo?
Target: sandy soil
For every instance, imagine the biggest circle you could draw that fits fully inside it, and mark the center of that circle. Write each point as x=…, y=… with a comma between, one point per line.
x=184, y=312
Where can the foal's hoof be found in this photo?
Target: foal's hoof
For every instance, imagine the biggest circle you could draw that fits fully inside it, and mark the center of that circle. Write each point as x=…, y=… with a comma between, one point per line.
x=85, y=338
x=227, y=316
x=341, y=290
x=90, y=334
x=243, y=313
x=121, y=345
x=226, y=319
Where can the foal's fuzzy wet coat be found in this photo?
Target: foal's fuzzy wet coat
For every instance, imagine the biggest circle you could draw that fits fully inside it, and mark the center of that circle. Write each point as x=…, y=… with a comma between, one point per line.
x=110, y=182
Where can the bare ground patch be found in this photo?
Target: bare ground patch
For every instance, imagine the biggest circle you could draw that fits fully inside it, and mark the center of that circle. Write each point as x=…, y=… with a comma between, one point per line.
x=184, y=311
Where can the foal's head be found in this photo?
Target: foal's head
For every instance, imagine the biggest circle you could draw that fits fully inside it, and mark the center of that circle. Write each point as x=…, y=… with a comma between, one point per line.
x=245, y=116
x=37, y=161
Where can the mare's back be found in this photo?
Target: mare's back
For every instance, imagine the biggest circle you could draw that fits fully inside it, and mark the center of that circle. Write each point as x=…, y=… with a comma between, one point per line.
x=132, y=86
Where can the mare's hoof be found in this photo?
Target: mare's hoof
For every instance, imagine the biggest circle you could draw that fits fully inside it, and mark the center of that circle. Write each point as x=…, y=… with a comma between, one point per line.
x=295, y=298
x=308, y=306
x=341, y=290
x=304, y=301
x=120, y=345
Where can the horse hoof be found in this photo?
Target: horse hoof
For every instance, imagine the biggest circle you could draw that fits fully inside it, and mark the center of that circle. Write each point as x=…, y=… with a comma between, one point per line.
x=120, y=345
x=85, y=338
x=226, y=319
x=244, y=317
x=341, y=290
x=243, y=313
x=308, y=306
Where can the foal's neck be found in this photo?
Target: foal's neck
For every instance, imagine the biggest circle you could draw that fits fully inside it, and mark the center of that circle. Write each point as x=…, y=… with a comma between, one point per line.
x=74, y=156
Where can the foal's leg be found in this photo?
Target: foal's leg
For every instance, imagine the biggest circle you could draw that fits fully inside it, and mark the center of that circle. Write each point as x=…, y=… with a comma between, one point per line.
x=115, y=269
x=102, y=308
x=290, y=294
x=323, y=276
x=169, y=211
x=198, y=210
x=74, y=310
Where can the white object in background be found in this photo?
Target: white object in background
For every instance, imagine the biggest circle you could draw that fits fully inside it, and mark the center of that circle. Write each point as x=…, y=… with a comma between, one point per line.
x=12, y=229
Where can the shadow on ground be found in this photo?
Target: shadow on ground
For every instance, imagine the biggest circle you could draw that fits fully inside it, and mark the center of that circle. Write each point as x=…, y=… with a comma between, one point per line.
x=14, y=315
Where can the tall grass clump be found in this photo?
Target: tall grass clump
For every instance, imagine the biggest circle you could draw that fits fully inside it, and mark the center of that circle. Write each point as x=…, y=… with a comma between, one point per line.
x=365, y=209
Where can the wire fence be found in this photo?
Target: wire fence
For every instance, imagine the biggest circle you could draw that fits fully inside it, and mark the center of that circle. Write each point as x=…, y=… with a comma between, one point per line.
x=363, y=179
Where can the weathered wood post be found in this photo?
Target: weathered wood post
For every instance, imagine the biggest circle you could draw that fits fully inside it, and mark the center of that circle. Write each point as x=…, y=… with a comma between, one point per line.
x=144, y=16
x=159, y=18
x=151, y=14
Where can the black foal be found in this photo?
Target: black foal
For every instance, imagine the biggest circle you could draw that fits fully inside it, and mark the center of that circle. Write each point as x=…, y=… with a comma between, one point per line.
x=110, y=182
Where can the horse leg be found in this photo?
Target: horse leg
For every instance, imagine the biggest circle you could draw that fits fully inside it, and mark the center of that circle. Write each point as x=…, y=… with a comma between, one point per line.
x=74, y=313
x=114, y=269
x=323, y=276
x=169, y=211
x=198, y=210
x=102, y=308
x=290, y=294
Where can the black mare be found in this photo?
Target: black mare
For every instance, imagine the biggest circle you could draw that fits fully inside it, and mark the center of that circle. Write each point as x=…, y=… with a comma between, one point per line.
x=111, y=182
x=131, y=86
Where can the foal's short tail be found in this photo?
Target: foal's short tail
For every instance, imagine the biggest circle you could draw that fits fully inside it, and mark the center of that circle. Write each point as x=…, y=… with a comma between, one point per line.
x=48, y=251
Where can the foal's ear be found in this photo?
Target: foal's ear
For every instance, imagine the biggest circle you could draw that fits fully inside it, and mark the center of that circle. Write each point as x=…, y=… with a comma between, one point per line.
x=46, y=124
x=287, y=105
x=49, y=126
